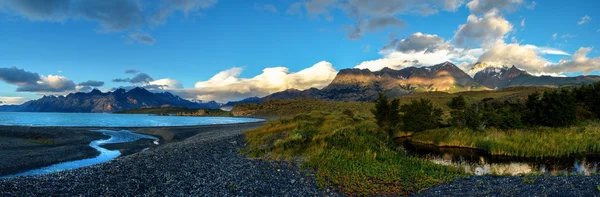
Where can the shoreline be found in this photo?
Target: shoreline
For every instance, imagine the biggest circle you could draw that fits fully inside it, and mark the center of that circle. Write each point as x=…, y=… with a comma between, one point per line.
x=26, y=148
x=207, y=163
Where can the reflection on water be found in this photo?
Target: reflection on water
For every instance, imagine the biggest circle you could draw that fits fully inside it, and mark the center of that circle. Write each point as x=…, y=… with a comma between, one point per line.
x=481, y=163
x=105, y=154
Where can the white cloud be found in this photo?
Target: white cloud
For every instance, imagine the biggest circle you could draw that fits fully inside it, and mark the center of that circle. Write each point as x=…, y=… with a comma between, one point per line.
x=167, y=84
x=584, y=19
x=485, y=6
x=6, y=100
x=419, y=50
x=227, y=85
x=523, y=23
x=554, y=36
x=492, y=26
x=580, y=62
x=546, y=50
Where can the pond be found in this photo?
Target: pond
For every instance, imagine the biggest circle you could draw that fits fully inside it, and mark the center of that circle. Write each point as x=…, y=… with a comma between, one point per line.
x=111, y=120
x=480, y=163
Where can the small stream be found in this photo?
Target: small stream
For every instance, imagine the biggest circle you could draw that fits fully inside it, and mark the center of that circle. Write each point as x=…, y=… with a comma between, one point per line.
x=122, y=136
x=480, y=163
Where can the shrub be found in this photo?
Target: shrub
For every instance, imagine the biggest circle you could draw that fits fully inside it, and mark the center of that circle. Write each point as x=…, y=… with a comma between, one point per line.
x=420, y=115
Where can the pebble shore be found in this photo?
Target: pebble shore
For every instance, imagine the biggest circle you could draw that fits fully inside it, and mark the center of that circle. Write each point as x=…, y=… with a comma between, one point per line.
x=207, y=164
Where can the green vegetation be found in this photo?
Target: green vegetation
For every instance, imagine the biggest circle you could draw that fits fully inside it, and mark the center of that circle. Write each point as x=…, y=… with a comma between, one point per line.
x=527, y=142
x=178, y=111
x=292, y=107
x=351, y=154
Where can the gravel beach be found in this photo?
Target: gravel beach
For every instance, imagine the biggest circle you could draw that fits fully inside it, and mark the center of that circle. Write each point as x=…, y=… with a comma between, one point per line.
x=518, y=186
x=204, y=161
x=206, y=164
x=23, y=148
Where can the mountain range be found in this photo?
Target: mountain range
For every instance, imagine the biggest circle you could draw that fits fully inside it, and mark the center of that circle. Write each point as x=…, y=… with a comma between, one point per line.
x=364, y=85
x=99, y=102
x=348, y=85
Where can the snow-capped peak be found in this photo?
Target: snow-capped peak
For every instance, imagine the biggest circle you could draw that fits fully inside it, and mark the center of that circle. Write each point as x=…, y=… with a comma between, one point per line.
x=487, y=67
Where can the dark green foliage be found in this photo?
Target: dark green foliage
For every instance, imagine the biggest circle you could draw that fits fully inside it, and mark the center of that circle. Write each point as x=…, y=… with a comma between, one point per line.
x=394, y=112
x=533, y=112
x=381, y=111
x=458, y=103
x=487, y=113
x=420, y=115
x=387, y=114
x=588, y=98
x=558, y=108
x=458, y=113
x=393, y=116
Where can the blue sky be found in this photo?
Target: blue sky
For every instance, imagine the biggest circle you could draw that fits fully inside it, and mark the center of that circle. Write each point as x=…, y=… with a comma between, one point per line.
x=200, y=38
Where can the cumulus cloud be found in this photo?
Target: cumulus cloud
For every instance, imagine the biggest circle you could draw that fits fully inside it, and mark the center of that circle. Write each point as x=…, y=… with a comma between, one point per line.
x=165, y=84
x=32, y=82
x=420, y=42
x=372, y=15
x=419, y=50
x=227, y=85
x=92, y=83
x=5, y=100
x=580, y=62
x=584, y=19
x=514, y=54
x=490, y=27
x=17, y=76
x=485, y=6
x=50, y=83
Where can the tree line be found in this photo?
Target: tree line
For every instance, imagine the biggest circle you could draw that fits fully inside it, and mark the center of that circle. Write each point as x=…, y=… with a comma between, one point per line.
x=553, y=108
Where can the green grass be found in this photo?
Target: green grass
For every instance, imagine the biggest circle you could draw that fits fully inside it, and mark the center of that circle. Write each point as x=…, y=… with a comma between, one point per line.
x=349, y=154
x=291, y=107
x=530, y=142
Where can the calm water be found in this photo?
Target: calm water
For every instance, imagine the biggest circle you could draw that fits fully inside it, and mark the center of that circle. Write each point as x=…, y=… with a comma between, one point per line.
x=481, y=163
x=111, y=120
x=105, y=154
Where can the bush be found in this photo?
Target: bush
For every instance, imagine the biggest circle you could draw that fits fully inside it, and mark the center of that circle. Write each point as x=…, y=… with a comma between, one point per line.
x=420, y=115
x=558, y=108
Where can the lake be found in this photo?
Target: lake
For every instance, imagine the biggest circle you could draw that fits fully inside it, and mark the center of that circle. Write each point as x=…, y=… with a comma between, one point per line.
x=111, y=120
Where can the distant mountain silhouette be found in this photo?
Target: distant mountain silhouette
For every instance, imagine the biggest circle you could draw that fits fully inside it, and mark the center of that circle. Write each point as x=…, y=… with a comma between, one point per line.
x=499, y=77
x=99, y=102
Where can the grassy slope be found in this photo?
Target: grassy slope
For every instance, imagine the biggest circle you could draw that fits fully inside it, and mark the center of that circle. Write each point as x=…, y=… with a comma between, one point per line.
x=291, y=107
x=348, y=153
